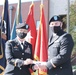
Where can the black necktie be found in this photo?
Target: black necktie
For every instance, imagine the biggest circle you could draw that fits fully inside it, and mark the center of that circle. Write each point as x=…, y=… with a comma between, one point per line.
x=22, y=45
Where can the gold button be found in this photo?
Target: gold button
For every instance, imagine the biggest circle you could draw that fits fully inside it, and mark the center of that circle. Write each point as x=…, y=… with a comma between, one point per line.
x=20, y=68
x=22, y=53
x=22, y=58
x=60, y=67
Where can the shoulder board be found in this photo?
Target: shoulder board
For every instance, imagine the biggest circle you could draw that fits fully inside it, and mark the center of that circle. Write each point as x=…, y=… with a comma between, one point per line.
x=9, y=40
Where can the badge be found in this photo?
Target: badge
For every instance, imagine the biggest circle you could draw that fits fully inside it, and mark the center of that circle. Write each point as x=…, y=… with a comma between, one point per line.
x=55, y=18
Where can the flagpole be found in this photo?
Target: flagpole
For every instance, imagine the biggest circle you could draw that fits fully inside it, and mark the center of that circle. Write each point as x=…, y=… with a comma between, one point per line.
x=32, y=1
x=68, y=9
x=41, y=1
x=11, y=9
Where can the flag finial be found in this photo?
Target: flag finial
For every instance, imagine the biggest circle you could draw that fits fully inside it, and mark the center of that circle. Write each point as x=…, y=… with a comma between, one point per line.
x=32, y=1
x=41, y=1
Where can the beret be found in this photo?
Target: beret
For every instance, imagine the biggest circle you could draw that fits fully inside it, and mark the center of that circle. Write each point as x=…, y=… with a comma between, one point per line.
x=22, y=26
x=55, y=18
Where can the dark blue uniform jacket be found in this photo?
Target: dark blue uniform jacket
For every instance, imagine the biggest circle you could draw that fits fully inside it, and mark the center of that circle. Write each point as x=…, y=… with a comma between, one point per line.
x=59, y=53
x=15, y=56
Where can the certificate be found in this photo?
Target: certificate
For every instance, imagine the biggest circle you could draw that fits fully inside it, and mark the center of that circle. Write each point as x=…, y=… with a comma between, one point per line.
x=36, y=62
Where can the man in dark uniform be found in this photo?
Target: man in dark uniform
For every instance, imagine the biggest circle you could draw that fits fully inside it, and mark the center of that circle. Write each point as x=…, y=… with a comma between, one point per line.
x=17, y=51
x=59, y=50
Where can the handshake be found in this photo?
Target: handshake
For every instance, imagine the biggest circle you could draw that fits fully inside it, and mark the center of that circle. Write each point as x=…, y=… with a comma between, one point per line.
x=38, y=64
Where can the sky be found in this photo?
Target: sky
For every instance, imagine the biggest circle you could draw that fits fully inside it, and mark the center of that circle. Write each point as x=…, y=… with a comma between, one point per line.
x=16, y=1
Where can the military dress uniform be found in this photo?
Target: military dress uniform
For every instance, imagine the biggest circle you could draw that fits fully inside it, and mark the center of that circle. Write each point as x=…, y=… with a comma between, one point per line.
x=15, y=56
x=16, y=53
x=59, y=53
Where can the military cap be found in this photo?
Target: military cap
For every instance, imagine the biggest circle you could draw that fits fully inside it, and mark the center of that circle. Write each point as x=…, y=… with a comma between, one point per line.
x=55, y=18
x=22, y=26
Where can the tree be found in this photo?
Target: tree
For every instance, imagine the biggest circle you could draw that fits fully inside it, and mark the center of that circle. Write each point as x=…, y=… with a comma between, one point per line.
x=73, y=25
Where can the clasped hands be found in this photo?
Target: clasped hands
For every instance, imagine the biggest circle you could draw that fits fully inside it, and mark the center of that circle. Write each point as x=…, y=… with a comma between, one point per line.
x=38, y=64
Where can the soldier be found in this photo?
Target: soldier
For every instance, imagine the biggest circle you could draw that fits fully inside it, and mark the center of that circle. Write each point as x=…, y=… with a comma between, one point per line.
x=17, y=51
x=59, y=50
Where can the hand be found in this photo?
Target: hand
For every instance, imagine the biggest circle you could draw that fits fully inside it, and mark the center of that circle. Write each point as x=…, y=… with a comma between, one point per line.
x=42, y=66
x=35, y=67
x=28, y=61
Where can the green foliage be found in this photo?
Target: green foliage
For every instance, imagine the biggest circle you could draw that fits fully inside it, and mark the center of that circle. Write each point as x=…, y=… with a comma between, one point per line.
x=73, y=14
x=73, y=24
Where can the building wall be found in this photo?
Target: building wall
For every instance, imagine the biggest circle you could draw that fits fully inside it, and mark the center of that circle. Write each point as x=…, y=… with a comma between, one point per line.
x=25, y=9
x=57, y=7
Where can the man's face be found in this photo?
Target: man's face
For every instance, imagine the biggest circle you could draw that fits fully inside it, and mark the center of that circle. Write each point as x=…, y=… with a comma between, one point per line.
x=21, y=33
x=56, y=23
